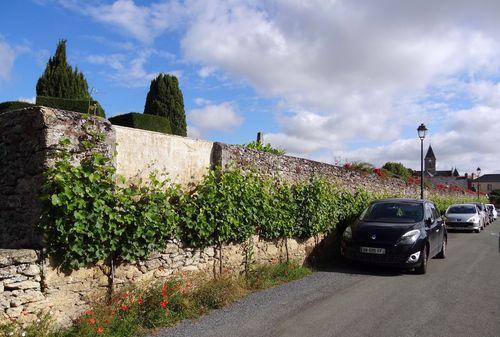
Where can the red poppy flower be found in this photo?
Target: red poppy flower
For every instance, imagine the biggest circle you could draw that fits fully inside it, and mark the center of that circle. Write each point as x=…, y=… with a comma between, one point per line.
x=163, y=304
x=91, y=321
x=139, y=301
x=89, y=312
x=100, y=329
x=125, y=295
x=124, y=308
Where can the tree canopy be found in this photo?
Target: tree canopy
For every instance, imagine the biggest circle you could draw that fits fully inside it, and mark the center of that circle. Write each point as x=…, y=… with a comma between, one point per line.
x=165, y=99
x=397, y=169
x=59, y=80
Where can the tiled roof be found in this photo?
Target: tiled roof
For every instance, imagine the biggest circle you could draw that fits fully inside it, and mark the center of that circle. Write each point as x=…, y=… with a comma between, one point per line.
x=489, y=178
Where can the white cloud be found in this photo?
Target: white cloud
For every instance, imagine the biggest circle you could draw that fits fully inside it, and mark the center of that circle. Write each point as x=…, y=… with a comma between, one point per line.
x=357, y=71
x=222, y=117
x=350, y=76
x=7, y=57
x=143, y=23
x=127, y=70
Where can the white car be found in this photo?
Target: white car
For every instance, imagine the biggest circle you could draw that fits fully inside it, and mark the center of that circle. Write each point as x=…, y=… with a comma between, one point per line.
x=464, y=217
x=492, y=209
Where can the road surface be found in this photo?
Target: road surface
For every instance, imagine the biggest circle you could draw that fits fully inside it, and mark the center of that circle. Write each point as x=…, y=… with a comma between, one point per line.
x=459, y=296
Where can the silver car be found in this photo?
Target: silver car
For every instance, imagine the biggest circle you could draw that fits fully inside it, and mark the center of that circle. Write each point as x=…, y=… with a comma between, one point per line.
x=493, y=210
x=464, y=217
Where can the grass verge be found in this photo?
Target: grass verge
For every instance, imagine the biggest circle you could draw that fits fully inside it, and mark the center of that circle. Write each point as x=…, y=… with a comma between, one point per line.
x=138, y=311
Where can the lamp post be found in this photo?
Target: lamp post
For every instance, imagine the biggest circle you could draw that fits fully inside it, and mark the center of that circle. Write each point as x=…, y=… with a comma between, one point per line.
x=478, y=170
x=422, y=131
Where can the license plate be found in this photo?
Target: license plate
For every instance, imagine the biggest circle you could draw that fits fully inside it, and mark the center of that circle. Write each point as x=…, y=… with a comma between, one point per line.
x=372, y=250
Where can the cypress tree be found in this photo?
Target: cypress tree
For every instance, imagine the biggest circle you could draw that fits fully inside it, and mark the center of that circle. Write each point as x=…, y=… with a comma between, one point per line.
x=165, y=99
x=59, y=80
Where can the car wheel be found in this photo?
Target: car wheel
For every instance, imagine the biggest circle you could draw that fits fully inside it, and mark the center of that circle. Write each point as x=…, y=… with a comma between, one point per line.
x=442, y=253
x=477, y=230
x=422, y=269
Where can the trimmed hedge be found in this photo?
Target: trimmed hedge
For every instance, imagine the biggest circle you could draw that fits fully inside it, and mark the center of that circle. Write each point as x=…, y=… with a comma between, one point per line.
x=13, y=105
x=142, y=121
x=78, y=105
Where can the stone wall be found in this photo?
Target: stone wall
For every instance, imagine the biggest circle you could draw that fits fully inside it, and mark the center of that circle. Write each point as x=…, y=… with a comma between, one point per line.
x=140, y=152
x=30, y=285
x=295, y=169
x=20, y=283
x=27, y=138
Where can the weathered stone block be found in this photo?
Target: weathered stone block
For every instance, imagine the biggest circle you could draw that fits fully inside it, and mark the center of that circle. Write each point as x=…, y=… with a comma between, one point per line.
x=32, y=270
x=17, y=256
x=23, y=285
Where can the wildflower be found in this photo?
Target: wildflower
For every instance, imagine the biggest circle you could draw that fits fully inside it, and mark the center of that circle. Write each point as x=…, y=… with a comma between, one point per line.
x=164, y=290
x=91, y=321
x=163, y=304
x=286, y=272
x=106, y=321
x=23, y=334
x=124, y=308
x=125, y=295
x=89, y=312
x=100, y=329
x=139, y=301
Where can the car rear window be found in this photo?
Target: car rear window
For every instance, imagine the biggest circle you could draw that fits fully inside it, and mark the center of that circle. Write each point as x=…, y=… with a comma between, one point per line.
x=394, y=212
x=462, y=210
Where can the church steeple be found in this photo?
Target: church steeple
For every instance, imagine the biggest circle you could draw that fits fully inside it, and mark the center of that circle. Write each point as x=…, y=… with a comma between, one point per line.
x=430, y=161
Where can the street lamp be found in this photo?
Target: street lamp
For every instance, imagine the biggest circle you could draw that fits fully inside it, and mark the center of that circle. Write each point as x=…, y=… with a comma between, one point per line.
x=422, y=131
x=478, y=170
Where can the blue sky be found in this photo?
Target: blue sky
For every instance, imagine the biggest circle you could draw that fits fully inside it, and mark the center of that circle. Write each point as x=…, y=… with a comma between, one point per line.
x=334, y=81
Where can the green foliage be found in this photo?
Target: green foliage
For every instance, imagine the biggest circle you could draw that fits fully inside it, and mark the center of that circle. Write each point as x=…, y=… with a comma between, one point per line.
x=59, y=80
x=165, y=99
x=443, y=202
x=142, y=121
x=88, y=218
x=359, y=166
x=85, y=106
x=398, y=169
x=225, y=207
x=266, y=276
x=315, y=208
x=264, y=148
x=13, y=105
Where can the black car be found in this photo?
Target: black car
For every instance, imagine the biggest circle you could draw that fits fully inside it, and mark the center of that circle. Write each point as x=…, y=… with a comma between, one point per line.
x=401, y=233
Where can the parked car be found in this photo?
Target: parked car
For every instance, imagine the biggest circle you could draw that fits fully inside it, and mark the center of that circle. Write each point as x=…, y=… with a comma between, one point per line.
x=483, y=212
x=402, y=233
x=493, y=211
x=464, y=217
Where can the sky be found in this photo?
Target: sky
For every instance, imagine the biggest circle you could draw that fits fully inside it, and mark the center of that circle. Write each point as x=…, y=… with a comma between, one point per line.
x=335, y=81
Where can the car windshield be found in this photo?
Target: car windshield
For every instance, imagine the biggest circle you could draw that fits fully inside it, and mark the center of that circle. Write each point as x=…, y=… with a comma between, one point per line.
x=480, y=206
x=490, y=207
x=394, y=212
x=462, y=209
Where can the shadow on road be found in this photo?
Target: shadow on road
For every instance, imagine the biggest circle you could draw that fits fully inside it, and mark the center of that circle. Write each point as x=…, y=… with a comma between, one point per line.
x=351, y=268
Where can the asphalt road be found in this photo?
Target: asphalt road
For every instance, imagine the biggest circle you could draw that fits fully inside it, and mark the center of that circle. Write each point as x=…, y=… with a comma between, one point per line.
x=459, y=296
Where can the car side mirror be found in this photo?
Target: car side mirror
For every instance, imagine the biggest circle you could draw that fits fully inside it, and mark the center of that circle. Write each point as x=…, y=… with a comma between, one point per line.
x=428, y=222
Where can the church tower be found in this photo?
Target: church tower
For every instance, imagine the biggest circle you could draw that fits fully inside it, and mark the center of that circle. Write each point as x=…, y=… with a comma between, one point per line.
x=430, y=162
